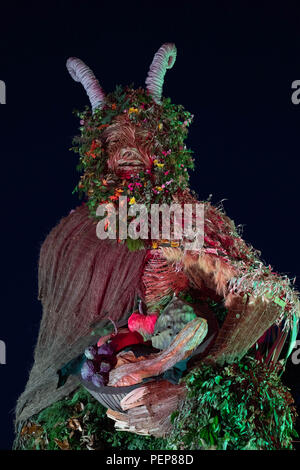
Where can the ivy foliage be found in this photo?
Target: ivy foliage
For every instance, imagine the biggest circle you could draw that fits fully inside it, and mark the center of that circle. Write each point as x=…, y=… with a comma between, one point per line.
x=242, y=406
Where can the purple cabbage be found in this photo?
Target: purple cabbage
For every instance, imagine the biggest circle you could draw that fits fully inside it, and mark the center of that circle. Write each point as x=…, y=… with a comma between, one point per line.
x=100, y=380
x=106, y=350
x=98, y=364
x=88, y=370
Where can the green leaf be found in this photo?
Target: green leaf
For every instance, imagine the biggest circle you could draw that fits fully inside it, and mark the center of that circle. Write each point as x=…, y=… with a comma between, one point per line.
x=293, y=335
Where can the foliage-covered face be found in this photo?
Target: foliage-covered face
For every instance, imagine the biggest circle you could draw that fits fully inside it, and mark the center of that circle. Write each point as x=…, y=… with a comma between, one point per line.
x=132, y=143
x=133, y=147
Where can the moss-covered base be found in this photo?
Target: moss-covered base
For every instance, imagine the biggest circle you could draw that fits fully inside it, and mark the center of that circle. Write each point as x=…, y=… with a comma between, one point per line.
x=79, y=422
x=242, y=406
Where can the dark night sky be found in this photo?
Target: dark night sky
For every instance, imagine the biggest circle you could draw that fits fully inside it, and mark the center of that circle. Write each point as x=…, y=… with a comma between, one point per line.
x=234, y=70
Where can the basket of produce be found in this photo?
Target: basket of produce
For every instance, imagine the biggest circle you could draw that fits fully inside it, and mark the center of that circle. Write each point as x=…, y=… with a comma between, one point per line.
x=146, y=357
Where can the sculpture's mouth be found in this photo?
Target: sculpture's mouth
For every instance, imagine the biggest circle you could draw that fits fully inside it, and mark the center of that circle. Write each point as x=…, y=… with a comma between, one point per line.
x=130, y=158
x=131, y=162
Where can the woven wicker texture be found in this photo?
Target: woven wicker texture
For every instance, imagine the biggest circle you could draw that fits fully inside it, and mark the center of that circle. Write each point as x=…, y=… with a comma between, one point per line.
x=83, y=74
x=164, y=59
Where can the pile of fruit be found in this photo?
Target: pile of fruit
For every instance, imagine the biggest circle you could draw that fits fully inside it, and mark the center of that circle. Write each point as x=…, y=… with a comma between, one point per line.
x=144, y=338
x=99, y=361
x=100, y=358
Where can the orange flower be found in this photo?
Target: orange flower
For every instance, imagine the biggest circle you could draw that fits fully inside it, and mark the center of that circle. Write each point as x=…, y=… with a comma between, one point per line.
x=113, y=106
x=91, y=153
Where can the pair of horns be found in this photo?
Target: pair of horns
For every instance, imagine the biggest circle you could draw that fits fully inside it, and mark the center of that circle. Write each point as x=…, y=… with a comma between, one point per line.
x=164, y=59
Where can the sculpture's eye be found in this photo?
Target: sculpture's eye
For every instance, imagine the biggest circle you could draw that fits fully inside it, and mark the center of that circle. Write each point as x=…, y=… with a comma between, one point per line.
x=113, y=140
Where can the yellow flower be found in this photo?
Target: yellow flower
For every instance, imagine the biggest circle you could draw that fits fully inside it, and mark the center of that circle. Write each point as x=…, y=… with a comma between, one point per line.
x=159, y=188
x=154, y=245
x=160, y=165
x=132, y=201
x=160, y=126
x=133, y=110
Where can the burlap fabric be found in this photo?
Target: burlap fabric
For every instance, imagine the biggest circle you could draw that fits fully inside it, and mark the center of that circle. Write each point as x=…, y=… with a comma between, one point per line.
x=82, y=281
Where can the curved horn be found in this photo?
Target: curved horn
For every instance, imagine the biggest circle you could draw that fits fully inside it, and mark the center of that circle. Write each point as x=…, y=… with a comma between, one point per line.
x=83, y=74
x=164, y=59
